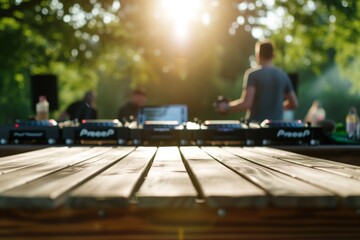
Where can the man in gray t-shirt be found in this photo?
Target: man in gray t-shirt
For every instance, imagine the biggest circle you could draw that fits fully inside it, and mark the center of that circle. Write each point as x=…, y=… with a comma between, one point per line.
x=267, y=90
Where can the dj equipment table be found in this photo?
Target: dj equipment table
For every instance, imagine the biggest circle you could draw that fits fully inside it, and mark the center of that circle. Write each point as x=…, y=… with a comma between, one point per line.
x=190, y=192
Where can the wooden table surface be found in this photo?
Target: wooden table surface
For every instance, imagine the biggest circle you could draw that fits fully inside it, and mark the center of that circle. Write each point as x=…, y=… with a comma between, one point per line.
x=177, y=193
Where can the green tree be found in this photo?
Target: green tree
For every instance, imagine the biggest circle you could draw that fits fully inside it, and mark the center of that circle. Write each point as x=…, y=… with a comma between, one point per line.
x=69, y=39
x=323, y=42
x=314, y=38
x=113, y=46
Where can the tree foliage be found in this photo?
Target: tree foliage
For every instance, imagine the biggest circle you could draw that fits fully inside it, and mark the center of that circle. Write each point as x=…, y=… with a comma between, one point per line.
x=115, y=45
x=325, y=40
x=320, y=41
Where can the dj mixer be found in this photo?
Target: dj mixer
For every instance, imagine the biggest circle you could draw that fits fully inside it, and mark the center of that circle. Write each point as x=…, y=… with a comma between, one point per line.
x=165, y=125
x=30, y=131
x=105, y=131
x=224, y=131
x=290, y=133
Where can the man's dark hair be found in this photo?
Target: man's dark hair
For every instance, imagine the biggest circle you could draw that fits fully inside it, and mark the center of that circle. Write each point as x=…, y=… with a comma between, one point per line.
x=89, y=95
x=265, y=49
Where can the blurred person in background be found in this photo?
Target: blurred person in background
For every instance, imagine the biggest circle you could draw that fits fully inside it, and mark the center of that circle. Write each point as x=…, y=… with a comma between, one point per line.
x=129, y=111
x=267, y=90
x=315, y=114
x=83, y=109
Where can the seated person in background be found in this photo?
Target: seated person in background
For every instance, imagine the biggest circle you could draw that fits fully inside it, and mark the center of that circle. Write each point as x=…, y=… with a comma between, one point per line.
x=315, y=114
x=267, y=90
x=83, y=109
x=129, y=111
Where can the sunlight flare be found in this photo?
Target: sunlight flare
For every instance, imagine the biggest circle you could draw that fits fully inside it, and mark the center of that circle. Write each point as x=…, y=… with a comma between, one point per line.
x=182, y=12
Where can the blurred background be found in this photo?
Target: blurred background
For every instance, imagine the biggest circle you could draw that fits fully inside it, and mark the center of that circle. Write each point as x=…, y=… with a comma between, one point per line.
x=180, y=51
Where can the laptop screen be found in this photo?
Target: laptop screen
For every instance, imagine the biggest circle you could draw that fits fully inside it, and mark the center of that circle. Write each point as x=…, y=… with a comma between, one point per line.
x=174, y=114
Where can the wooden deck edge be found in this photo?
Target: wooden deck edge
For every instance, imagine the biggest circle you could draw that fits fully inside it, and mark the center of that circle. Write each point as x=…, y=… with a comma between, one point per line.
x=152, y=223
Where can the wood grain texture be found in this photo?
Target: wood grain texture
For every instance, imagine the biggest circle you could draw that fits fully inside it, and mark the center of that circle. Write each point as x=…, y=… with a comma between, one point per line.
x=244, y=193
x=346, y=170
x=27, y=161
x=39, y=152
x=346, y=188
x=219, y=185
x=115, y=186
x=34, y=169
x=300, y=158
x=50, y=191
x=167, y=183
x=283, y=190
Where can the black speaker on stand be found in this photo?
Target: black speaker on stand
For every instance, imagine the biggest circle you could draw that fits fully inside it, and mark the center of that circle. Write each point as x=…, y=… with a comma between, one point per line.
x=294, y=78
x=44, y=85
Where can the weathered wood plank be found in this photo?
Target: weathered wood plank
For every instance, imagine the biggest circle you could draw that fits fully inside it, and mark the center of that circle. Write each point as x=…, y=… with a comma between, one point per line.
x=114, y=186
x=27, y=161
x=28, y=155
x=300, y=158
x=167, y=183
x=118, y=183
x=50, y=191
x=285, y=191
x=348, y=189
x=30, y=173
x=39, y=152
x=343, y=169
x=219, y=185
